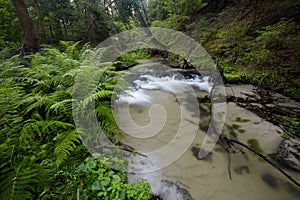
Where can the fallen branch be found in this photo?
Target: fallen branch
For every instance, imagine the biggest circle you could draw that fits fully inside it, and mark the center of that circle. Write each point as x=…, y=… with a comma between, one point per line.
x=230, y=141
x=229, y=165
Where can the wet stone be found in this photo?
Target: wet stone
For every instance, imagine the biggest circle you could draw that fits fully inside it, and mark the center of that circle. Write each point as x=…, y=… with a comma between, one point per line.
x=171, y=191
x=288, y=153
x=277, y=183
x=196, y=150
x=241, y=170
x=270, y=180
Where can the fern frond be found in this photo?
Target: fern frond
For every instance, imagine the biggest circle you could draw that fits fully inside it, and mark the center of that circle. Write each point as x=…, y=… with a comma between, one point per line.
x=36, y=102
x=71, y=72
x=11, y=71
x=97, y=96
x=107, y=119
x=30, y=128
x=65, y=145
x=62, y=106
x=22, y=181
x=71, y=49
x=53, y=124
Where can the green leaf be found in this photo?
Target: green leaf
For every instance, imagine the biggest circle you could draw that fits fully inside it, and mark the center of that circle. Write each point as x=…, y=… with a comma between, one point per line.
x=116, y=179
x=105, y=181
x=96, y=185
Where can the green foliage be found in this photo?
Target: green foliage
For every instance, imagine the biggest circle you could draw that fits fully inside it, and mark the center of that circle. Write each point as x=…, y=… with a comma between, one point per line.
x=277, y=31
x=94, y=179
x=295, y=129
x=65, y=144
x=292, y=124
x=11, y=32
x=271, y=38
x=181, y=7
x=253, y=143
x=130, y=59
x=21, y=181
x=201, y=30
x=226, y=42
x=233, y=74
x=174, y=14
x=125, y=11
x=157, y=23
x=28, y=123
x=251, y=49
x=86, y=21
x=37, y=131
x=107, y=120
x=292, y=91
x=71, y=49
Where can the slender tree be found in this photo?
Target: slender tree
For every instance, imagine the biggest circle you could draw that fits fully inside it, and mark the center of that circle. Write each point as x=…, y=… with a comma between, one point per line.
x=31, y=41
x=40, y=19
x=58, y=34
x=139, y=16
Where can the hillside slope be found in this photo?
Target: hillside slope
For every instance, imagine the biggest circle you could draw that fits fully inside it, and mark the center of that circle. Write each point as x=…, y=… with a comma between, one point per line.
x=255, y=42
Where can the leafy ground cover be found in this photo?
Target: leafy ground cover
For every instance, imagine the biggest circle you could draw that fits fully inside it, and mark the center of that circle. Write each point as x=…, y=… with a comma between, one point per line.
x=42, y=155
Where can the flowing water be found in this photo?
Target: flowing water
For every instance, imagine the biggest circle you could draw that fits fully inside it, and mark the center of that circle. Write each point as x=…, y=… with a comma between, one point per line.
x=158, y=109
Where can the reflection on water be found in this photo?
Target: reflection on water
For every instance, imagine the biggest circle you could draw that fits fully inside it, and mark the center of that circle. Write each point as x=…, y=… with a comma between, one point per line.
x=190, y=177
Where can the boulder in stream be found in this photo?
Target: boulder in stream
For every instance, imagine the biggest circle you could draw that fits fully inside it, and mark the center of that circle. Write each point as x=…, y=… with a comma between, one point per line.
x=288, y=153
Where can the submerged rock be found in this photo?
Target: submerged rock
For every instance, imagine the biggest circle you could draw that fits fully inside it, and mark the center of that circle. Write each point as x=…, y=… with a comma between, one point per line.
x=171, y=191
x=270, y=180
x=277, y=183
x=288, y=153
x=196, y=150
x=241, y=170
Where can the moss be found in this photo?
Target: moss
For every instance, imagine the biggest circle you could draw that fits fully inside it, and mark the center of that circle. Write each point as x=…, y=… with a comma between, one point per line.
x=292, y=92
x=253, y=143
x=129, y=59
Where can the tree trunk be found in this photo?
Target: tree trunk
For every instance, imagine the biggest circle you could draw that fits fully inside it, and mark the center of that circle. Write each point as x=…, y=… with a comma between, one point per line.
x=139, y=15
x=144, y=11
x=87, y=23
x=40, y=19
x=57, y=26
x=65, y=29
x=31, y=42
x=51, y=33
x=143, y=24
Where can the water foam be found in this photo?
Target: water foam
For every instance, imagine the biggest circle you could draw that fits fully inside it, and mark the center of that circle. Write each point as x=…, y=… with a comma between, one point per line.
x=136, y=95
x=137, y=98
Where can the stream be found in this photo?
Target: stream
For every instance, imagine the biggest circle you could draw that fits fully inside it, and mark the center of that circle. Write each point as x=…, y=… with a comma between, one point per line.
x=156, y=108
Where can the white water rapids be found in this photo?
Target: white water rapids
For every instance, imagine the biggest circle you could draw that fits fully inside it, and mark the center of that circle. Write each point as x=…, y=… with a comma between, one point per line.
x=136, y=95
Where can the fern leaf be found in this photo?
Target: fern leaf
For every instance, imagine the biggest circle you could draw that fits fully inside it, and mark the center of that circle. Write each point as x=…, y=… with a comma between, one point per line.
x=36, y=102
x=97, y=96
x=66, y=144
x=58, y=125
x=62, y=106
x=21, y=182
x=107, y=120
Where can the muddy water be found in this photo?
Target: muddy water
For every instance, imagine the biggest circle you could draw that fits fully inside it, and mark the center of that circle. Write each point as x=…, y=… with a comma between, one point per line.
x=160, y=115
